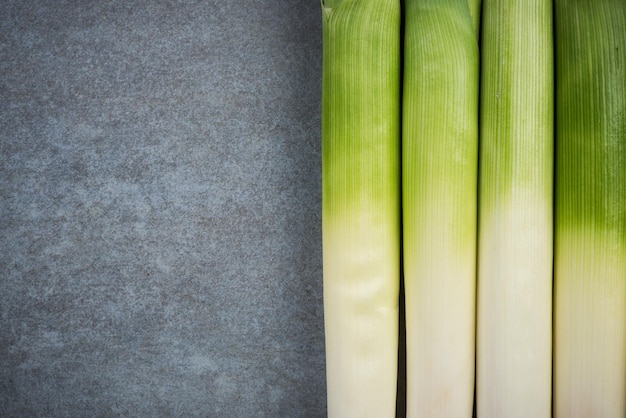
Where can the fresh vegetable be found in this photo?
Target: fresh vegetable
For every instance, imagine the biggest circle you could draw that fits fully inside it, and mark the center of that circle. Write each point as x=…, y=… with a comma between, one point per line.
x=590, y=234
x=514, y=324
x=361, y=204
x=439, y=189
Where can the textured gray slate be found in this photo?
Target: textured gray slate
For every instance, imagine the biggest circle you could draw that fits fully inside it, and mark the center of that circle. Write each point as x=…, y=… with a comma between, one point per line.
x=160, y=195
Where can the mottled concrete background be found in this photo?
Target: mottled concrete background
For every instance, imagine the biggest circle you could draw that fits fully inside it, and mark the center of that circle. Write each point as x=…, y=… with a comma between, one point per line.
x=160, y=185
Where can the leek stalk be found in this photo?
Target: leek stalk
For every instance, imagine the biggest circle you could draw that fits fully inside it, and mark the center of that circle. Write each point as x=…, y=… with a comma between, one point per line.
x=514, y=324
x=590, y=233
x=439, y=187
x=361, y=204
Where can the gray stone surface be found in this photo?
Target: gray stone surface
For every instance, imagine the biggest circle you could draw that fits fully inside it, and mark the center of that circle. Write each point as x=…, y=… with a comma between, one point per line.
x=160, y=195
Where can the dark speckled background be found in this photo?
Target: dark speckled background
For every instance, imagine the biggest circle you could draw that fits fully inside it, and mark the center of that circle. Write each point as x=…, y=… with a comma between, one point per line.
x=160, y=195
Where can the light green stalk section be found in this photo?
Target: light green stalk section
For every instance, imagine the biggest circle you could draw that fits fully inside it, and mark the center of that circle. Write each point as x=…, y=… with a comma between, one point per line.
x=514, y=331
x=590, y=251
x=361, y=204
x=475, y=12
x=439, y=182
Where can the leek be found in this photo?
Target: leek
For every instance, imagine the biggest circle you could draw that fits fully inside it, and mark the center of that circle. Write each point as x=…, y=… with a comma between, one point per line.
x=590, y=233
x=514, y=329
x=361, y=204
x=439, y=186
